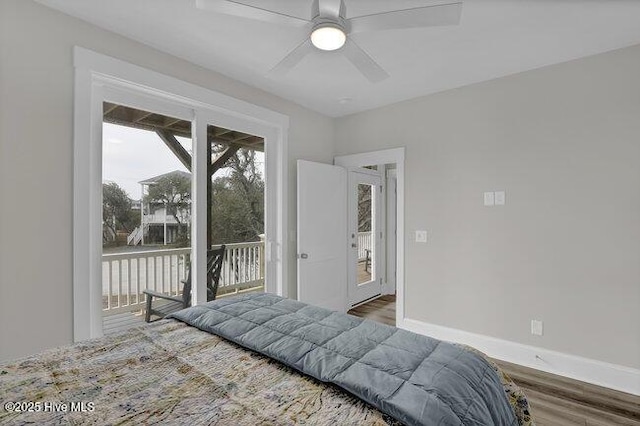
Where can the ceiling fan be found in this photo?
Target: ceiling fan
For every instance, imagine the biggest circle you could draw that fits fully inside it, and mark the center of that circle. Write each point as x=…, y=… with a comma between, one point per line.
x=329, y=28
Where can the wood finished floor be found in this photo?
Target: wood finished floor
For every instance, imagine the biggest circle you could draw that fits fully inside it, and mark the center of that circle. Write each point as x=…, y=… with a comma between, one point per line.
x=554, y=400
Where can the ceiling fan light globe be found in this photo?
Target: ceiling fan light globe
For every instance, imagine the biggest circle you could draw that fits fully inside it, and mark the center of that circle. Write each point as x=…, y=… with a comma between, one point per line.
x=328, y=37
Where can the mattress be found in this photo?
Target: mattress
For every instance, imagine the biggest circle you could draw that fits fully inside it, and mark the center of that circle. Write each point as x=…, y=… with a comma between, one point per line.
x=171, y=373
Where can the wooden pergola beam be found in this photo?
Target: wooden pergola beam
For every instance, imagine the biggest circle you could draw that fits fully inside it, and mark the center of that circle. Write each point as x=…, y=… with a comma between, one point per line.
x=171, y=122
x=185, y=158
x=178, y=150
x=138, y=115
x=135, y=118
x=222, y=159
x=242, y=138
x=219, y=131
x=255, y=143
x=110, y=108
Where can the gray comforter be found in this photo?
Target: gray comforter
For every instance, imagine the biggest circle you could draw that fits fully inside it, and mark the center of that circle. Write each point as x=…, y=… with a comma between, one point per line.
x=416, y=379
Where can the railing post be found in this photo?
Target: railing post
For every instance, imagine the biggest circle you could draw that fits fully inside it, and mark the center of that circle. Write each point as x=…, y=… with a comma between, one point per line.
x=155, y=270
x=261, y=256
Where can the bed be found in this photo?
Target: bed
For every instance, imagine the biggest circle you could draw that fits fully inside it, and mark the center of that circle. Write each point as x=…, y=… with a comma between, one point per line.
x=172, y=372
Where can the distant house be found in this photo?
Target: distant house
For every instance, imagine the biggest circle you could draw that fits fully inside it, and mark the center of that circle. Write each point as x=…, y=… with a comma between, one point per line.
x=157, y=224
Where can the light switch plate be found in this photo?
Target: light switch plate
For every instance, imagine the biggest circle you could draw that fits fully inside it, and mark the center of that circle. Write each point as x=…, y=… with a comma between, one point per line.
x=500, y=198
x=489, y=199
x=536, y=327
x=421, y=236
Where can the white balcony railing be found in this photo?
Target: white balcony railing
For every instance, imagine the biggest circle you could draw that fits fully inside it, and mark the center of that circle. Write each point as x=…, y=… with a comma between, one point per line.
x=364, y=243
x=159, y=219
x=126, y=275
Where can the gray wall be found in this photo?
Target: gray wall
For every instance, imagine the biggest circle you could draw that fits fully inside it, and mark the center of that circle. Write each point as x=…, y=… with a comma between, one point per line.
x=564, y=143
x=36, y=161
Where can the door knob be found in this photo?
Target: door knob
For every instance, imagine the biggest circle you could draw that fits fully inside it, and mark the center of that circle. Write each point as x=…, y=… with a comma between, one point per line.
x=354, y=245
x=304, y=256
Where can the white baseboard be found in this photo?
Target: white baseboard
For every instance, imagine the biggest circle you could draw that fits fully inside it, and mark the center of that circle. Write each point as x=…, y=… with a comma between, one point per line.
x=618, y=377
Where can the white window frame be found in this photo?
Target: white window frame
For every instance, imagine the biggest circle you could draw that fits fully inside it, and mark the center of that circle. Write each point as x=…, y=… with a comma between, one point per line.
x=101, y=78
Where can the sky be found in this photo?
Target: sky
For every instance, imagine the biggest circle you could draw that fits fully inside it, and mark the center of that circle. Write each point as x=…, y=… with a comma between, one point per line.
x=132, y=155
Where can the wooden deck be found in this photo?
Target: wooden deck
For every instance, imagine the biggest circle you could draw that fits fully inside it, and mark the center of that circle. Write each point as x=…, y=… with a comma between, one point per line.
x=119, y=322
x=363, y=276
x=555, y=400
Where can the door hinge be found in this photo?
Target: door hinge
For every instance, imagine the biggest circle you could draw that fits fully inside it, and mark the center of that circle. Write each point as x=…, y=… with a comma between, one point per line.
x=381, y=189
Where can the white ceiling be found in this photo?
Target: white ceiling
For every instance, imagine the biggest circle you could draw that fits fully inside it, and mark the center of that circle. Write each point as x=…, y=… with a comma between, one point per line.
x=495, y=38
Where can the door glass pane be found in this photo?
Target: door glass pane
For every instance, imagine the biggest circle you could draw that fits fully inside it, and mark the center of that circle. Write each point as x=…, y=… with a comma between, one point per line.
x=146, y=209
x=366, y=248
x=235, y=208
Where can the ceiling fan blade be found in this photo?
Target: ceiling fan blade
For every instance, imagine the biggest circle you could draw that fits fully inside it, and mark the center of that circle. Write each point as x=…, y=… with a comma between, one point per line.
x=367, y=66
x=234, y=8
x=428, y=16
x=292, y=59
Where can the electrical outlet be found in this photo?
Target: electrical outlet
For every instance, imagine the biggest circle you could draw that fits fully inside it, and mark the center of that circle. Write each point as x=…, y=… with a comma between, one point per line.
x=500, y=198
x=536, y=327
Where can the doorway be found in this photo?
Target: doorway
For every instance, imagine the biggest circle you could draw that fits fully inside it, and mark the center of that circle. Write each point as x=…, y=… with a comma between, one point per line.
x=390, y=163
x=366, y=260
x=99, y=79
x=379, y=304
x=147, y=199
x=329, y=254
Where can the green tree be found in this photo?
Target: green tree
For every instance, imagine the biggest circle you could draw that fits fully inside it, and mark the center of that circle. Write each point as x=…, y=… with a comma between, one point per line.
x=237, y=213
x=174, y=192
x=116, y=211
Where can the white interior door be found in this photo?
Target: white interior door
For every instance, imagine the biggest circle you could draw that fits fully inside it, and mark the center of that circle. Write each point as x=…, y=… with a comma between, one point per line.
x=322, y=230
x=365, y=235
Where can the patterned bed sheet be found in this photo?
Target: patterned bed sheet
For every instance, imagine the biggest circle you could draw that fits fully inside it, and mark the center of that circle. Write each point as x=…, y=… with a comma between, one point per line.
x=174, y=374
